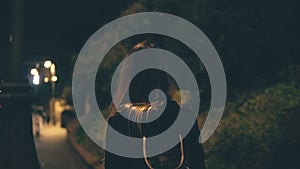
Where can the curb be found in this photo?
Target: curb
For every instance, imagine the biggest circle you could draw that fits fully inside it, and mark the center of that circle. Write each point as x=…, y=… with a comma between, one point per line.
x=88, y=159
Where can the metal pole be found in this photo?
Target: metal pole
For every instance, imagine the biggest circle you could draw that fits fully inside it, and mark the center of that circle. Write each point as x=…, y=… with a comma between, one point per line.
x=53, y=101
x=53, y=89
x=52, y=74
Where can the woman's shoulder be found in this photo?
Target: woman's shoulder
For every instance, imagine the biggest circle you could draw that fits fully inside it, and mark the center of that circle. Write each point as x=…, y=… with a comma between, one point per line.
x=171, y=104
x=114, y=117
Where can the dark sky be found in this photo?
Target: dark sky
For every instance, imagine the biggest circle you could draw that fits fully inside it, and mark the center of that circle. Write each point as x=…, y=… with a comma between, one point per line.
x=57, y=29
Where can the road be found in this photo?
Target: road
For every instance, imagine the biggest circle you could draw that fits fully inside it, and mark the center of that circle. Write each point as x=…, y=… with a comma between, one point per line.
x=53, y=150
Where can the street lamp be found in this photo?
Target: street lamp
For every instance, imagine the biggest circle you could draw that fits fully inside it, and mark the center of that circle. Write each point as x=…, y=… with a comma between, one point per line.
x=34, y=71
x=52, y=78
x=49, y=74
x=36, y=77
x=47, y=64
x=46, y=79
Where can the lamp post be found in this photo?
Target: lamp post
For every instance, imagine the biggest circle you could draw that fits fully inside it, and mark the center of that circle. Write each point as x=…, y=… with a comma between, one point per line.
x=49, y=75
x=51, y=78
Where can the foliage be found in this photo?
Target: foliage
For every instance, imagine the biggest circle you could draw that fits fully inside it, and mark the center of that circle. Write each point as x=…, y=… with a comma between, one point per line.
x=242, y=32
x=252, y=133
x=89, y=145
x=67, y=95
x=97, y=130
x=290, y=74
x=253, y=39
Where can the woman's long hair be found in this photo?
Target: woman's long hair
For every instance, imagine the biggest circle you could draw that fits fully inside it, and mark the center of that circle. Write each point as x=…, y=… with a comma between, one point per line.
x=142, y=84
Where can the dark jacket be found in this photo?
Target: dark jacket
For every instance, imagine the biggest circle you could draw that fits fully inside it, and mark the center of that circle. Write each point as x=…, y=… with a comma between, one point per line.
x=193, y=151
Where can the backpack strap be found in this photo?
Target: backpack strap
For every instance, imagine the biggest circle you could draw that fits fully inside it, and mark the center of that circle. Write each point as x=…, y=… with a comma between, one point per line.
x=146, y=158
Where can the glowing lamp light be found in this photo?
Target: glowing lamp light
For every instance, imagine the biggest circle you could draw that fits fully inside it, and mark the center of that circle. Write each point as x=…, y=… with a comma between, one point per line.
x=47, y=64
x=36, y=80
x=34, y=71
x=54, y=78
x=52, y=69
x=46, y=79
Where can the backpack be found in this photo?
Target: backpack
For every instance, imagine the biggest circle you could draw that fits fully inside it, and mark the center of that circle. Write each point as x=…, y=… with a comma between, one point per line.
x=171, y=159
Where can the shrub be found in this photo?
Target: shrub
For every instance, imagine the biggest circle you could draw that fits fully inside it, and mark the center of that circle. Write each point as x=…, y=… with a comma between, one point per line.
x=252, y=133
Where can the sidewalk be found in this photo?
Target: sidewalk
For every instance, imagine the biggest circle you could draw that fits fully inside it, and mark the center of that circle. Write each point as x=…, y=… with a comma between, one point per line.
x=54, y=151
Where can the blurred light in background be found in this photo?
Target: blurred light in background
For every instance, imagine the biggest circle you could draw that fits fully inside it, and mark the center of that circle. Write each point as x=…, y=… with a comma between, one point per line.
x=34, y=71
x=47, y=64
x=46, y=79
x=52, y=69
x=54, y=78
x=36, y=79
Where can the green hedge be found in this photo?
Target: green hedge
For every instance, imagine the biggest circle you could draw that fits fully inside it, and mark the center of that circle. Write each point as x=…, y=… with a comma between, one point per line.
x=258, y=131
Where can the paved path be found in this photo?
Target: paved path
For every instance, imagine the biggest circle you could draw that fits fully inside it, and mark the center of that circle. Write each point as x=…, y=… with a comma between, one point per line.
x=53, y=150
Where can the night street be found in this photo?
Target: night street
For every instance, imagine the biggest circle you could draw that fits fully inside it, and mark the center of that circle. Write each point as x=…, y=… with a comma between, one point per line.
x=143, y=84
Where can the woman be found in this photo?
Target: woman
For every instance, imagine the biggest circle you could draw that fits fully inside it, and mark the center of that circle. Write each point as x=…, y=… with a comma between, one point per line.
x=188, y=153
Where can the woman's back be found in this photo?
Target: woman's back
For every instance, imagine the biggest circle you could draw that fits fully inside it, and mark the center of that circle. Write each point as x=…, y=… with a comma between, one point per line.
x=192, y=150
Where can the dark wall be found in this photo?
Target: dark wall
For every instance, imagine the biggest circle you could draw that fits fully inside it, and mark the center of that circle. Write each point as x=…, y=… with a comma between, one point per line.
x=4, y=36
